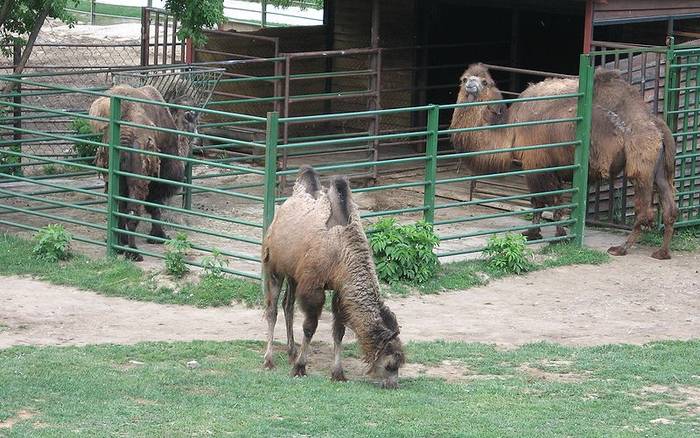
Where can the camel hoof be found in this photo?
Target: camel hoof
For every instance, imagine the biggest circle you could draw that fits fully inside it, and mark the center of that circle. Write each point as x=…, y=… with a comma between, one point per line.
x=299, y=371
x=155, y=241
x=338, y=376
x=617, y=250
x=390, y=384
x=292, y=355
x=269, y=364
x=661, y=254
x=133, y=256
x=559, y=233
x=530, y=236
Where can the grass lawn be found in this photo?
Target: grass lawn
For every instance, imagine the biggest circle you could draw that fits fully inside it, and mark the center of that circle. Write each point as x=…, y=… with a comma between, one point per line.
x=119, y=277
x=101, y=8
x=537, y=390
x=684, y=239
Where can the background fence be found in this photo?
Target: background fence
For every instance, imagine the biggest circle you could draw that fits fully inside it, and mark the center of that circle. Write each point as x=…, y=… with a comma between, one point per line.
x=232, y=197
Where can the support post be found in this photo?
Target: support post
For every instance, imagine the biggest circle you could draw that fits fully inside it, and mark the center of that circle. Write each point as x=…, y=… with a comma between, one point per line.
x=581, y=155
x=270, y=187
x=93, y=17
x=113, y=188
x=672, y=76
x=588, y=27
x=17, y=110
x=187, y=191
x=431, y=148
x=263, y=17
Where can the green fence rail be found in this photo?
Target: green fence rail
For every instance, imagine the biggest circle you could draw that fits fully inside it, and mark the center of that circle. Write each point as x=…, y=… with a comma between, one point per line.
x=232, y=196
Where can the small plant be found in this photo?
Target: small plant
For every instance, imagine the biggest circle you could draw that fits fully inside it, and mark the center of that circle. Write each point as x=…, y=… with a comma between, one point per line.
x=508, y=254
x=214, y=264
x=404, y=253
x=10, y=163
x=52, y=243
x=51, y=169
x=82, y=128
x=175, y=253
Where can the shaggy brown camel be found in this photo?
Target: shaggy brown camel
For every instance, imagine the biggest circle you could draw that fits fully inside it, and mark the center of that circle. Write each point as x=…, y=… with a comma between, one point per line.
x=625, y=135
x=155, y=192
x=316, y=242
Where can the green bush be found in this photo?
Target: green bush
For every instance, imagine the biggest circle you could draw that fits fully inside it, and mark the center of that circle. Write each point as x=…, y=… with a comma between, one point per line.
x=10, y=163
x=175, y=254
x=508, y=254
x=214, y=264
x=52, y=243
x=404, y=253
x=82, y=128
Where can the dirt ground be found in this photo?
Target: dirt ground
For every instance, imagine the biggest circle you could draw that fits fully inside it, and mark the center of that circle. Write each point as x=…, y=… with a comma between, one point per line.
x=634, y=299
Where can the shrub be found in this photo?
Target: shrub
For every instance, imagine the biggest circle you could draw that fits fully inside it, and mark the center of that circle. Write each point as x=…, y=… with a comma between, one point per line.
x=214, y=264
x=82, y=128
x=52, y=243
x=175, y=253
x=11, y=163
x=508, y=254
x=404, y=253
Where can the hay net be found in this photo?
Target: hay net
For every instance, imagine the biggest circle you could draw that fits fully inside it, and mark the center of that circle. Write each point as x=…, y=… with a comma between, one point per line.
x=174, y=82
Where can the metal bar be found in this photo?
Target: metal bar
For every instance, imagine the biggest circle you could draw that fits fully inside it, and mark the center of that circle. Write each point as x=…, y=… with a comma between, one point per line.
x=113, y=184
x=581, y=155
x=270, y=169
x=433, y=123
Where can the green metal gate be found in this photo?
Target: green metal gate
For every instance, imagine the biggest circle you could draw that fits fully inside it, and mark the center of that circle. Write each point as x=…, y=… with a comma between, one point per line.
x=682, y=111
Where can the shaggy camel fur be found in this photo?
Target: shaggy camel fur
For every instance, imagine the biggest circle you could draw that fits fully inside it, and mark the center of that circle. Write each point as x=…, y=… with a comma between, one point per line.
x=316, y=242
x=138, y=189
x=625, y=135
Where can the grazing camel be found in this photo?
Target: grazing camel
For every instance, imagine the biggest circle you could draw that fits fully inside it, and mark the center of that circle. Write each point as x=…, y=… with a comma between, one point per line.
x=316, y=242
x=625, y=135
x=172, y=169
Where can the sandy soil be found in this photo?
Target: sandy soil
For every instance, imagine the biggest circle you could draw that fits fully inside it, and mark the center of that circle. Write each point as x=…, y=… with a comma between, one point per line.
x=634, y=299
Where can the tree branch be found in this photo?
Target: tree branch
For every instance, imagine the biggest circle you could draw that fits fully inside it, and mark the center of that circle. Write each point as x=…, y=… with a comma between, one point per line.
x=26, y=53
x=5, y=10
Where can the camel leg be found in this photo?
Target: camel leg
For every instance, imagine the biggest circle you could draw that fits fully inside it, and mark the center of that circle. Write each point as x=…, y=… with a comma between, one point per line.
x=156, y=229
x=312, y=306
x=536, y=232
x=670, y=211
x=643, y=191
x=288, y=305
x=132, y=224
x=558, y=215
x=337, y=373
x=273, y=284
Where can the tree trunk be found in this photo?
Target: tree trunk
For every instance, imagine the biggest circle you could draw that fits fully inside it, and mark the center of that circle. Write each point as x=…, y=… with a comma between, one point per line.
x=5, y=10
x=26, y=53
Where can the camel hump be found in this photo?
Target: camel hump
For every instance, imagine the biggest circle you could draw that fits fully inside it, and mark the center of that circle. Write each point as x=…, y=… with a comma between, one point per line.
x=606, y=75
x=340, y=198
x=308, y=181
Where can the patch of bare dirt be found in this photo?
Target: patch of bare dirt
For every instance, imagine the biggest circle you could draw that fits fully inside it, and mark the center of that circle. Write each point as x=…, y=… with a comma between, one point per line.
x=576, y=305
x=538, y=373
x=684, y=398
x=21, y=415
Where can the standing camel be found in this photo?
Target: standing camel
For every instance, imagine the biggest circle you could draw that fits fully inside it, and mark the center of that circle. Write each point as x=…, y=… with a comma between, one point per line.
x=625, y=135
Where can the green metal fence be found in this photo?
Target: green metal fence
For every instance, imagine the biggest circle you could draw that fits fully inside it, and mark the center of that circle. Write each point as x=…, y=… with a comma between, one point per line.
x=682, y=109
x=232, y=197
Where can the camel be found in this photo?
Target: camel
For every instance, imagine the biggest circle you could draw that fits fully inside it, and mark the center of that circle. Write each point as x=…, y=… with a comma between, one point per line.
x=138, y=189
x=625, y=135
x=316, y=242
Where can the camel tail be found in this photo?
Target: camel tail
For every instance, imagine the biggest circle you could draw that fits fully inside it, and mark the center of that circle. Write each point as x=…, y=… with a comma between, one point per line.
x=669, y=145
x=340, y=199
x=308, y=180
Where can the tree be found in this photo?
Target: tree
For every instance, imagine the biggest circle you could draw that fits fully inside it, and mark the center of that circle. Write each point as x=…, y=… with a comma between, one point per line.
x=194, y=17
x=21, y=21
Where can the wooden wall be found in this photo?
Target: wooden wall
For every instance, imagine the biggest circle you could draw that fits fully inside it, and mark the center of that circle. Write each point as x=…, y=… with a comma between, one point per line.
x=618, y=10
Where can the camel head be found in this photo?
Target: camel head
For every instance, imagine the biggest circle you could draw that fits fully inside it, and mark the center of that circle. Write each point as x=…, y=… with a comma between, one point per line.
x=187, y=121
x=476, y=84
x=389, y=355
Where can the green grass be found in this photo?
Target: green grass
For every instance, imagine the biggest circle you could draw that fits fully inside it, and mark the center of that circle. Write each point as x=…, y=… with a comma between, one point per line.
x=539, y=390
x=101, y=8
x=684, y=239
x=119, y=277
x=472, y=273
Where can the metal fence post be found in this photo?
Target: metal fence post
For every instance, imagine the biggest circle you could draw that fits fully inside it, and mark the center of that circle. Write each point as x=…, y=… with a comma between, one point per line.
x=112, y=177
x=271, y=137
x=187, y=191
x=581, y=155
x=431, y=146
x=671, y=97
x=17, y=110
x=92, y=12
